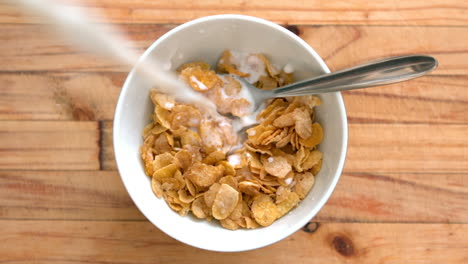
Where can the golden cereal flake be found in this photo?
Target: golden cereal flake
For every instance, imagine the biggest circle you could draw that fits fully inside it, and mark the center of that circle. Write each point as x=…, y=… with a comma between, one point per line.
x=271, y=69
x=249, y=188
x=229, y=180
x=185, y=197
x=264, y=210
x=241, y=107
x=305, y=181
x=267, y=83
x=231, y=87
x=316, y=168
x=315, y=137
x=190, y=138
x=277, y=166
x=301, y=155
x=237, y=212
x=214, y=157
x=199, y=208
x=167, y=102
x=199, y=79
x=156, y=187
x=225, y=201
x=228, y=168
x=204, y=175
x=200, y=64
x=211, y=139
x=309, y=101
x=229, y=224
x=210, y=195
x=193, y=190
x=163, y=142
x=250, y=223
x=303, y=122
x=183, y=159
x=162, y=160
x=185, y=115
x=289, y=202
x=313, y=158
x=165, y=172
x=276, y=103
x=170, y=184
x=285, y=120
x=162, y=116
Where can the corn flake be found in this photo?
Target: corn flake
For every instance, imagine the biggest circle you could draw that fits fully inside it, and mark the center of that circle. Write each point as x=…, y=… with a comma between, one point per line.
x=165, y=172
x=304, y=183
x=199, y=208
x=204, y=175
x=277, y=166
x=264, y=210
x=288, y=202
x=225, y=201
x=199, y=79
x=209, y=196
x=315, y=137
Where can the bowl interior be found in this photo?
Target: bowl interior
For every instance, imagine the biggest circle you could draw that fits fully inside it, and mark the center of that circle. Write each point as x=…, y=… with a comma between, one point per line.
x=205, y=39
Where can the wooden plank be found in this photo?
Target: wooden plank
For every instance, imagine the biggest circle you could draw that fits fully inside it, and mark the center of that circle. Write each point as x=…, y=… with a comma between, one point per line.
x=431, y=99
x=392, y=148
x=407, y=148
x=315, y=12
x=107, y=147
x=398, y=197
x=92, y=96
x=49, y=145
x=32, y=47
x=65, y=195
x=141, y=242
x=347, y=46
x=76, y=96
x=37, y=48
x=359, y=197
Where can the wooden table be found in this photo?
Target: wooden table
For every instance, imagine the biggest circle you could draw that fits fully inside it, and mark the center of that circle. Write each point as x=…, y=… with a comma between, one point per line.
x=403, y=197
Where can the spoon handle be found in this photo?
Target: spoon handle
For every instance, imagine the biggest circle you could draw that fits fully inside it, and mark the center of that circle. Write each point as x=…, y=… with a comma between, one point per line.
x=375, y=73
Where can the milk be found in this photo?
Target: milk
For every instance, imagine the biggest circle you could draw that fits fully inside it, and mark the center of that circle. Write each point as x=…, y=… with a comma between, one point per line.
x=76, y=26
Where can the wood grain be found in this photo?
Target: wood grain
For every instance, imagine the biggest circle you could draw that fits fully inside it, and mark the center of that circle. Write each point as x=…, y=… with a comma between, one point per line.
x=407, y=148
x=347, y=46
x=65, y=195
x=390, y=148
x=359, y=197
x=402, y=198
x=107, y=148
x=49, y=145
x=32, y=47
x=431, y=99
x=69, y=96
x=315, y=12
x=74, y=96
x=141, y=242
x=38, y=48
x=398, y=197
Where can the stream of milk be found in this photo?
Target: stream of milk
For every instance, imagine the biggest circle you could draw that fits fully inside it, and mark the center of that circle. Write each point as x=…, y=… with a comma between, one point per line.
x=75, y=25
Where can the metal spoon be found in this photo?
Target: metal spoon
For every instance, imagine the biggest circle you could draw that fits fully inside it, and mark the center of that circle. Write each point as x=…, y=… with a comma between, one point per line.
x=375, y=73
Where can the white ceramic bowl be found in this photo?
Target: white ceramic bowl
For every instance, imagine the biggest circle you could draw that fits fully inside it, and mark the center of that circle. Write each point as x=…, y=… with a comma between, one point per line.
x=205, y=39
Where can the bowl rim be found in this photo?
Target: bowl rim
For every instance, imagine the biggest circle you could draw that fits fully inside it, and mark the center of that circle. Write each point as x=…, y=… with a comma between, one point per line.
x=305, y=45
